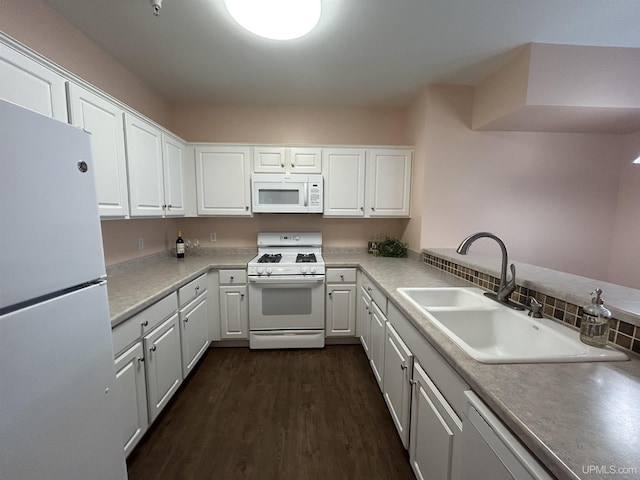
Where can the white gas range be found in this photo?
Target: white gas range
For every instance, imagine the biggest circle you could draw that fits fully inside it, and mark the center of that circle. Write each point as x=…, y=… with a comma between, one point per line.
x=286, y=291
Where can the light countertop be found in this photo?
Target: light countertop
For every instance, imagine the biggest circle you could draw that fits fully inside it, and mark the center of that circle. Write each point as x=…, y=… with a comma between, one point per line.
x=572, y=416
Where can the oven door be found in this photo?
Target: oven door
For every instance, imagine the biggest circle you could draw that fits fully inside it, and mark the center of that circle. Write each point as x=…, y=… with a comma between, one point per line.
x=273, y=194
x=286, y=302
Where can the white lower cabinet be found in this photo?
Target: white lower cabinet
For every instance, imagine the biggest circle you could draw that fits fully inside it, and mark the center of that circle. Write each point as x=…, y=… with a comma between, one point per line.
x=364, y=321
x=376, y=345
x=132, y=395
x=194, y=329
x=163, y=364
x=340, y=311
x=234, y=307
x=340, y=302
x=398, y=369
x=435, y=428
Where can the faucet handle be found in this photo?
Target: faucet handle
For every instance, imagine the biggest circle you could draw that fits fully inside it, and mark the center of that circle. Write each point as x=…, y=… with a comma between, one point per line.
x=535, y=308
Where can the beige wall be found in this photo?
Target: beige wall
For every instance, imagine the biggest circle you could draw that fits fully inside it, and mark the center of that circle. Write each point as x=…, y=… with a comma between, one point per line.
x=40, y=28
x=624, y=263
x=336, y=232
x=551, y=197
x=120, y=238
x=290, y=124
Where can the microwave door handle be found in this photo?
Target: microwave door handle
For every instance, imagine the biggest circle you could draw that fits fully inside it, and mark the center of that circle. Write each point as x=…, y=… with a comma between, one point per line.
x=306, y=195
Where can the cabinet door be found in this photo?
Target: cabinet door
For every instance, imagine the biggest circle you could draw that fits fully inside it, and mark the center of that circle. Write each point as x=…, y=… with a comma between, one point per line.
x=434, y=425
x=132, y=395
x=344, y=187
x=398, y=368
x=163, y=364
x=223, y=181
x=305, y=160
x=194, y=333
x=104, y=121
x=340, y=311
x=376, y=346
x=234, y=313
x=364, y=321
x=388, y=183
x=173, y=155
x=31, y=85
x=269, y=159
x=144, y=159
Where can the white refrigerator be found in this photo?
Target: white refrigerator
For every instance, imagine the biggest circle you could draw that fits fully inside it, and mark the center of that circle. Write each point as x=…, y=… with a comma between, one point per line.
x=59, y=417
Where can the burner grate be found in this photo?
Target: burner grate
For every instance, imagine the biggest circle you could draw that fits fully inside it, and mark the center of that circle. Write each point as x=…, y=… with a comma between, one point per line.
x=270, y=258
x=306, y=258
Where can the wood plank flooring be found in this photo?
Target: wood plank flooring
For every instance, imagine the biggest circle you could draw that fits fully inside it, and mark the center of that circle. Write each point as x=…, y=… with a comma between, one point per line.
x=275, y=414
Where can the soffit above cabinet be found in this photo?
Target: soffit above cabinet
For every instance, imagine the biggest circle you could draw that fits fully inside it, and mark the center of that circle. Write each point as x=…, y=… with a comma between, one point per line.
x=562, y=88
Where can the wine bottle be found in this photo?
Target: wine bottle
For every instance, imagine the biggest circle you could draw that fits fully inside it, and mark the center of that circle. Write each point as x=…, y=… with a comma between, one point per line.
x=180, y=245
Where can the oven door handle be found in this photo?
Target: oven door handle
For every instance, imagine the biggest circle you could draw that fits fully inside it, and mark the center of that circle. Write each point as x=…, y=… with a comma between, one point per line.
x=282, y=280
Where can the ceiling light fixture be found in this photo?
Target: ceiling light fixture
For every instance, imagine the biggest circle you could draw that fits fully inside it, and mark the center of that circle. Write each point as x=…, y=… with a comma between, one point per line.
x=156, y=5
x=276, y=19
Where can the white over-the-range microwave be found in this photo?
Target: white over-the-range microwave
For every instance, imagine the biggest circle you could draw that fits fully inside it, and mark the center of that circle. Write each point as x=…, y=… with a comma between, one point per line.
x=282, y=193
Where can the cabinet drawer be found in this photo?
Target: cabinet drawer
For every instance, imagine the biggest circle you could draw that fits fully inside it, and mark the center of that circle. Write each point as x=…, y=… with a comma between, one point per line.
x=233, y=277
x=192, y=289
x=142, y=323
x=341, y=275
x=375, y=293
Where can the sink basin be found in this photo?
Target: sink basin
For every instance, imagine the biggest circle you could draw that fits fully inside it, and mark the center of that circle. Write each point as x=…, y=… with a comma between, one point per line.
x=437, y=298
x=492, y=333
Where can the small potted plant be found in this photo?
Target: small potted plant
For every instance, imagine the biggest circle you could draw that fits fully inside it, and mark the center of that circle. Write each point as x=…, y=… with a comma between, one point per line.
x=391, y=247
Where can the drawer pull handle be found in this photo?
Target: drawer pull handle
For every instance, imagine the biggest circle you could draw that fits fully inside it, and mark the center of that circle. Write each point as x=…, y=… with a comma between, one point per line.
x=141, y=360
x=242, y=296
x=342, y=277
x=145, y=323
x=403, y=366
x=412, y=381
x=153, y=349
x=186, y=319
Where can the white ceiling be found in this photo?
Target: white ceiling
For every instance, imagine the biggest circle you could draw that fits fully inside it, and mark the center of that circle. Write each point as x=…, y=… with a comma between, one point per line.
x=363, y=53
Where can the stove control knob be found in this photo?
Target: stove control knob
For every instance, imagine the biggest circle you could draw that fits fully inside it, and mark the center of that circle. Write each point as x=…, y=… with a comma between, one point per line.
x=259, y=270
x=312, y=270
x=303, y=270
x=297, y=238
x=269, y=271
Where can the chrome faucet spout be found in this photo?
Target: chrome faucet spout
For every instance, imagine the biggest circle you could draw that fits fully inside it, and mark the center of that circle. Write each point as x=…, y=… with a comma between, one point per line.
x=507, y=287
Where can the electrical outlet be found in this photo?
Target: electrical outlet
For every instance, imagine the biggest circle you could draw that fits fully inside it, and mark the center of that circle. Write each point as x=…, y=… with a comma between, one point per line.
x=212, y=237
x=140, y=243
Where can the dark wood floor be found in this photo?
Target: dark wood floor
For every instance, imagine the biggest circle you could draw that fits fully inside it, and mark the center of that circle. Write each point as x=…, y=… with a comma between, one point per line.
x=275, y=414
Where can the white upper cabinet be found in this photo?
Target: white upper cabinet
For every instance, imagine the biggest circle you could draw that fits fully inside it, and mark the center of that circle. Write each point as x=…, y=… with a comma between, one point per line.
x=104, y=121
x=223, y=185
x=388, y=183
x=270, y=159
x=27, y=83
x=367, y=183
x=156, y=170
x=144, y=159
x=305, y=160
x=174, y=158
x=344, y=185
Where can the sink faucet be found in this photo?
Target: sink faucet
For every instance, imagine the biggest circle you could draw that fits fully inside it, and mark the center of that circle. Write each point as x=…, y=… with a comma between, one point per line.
x=507, y=287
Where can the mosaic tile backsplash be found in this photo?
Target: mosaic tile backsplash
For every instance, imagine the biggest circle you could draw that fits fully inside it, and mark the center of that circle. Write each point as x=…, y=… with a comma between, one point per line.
x=623, y=334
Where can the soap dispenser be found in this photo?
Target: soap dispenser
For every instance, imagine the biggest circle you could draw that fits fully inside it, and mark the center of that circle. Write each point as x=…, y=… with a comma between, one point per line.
x=594, y=329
